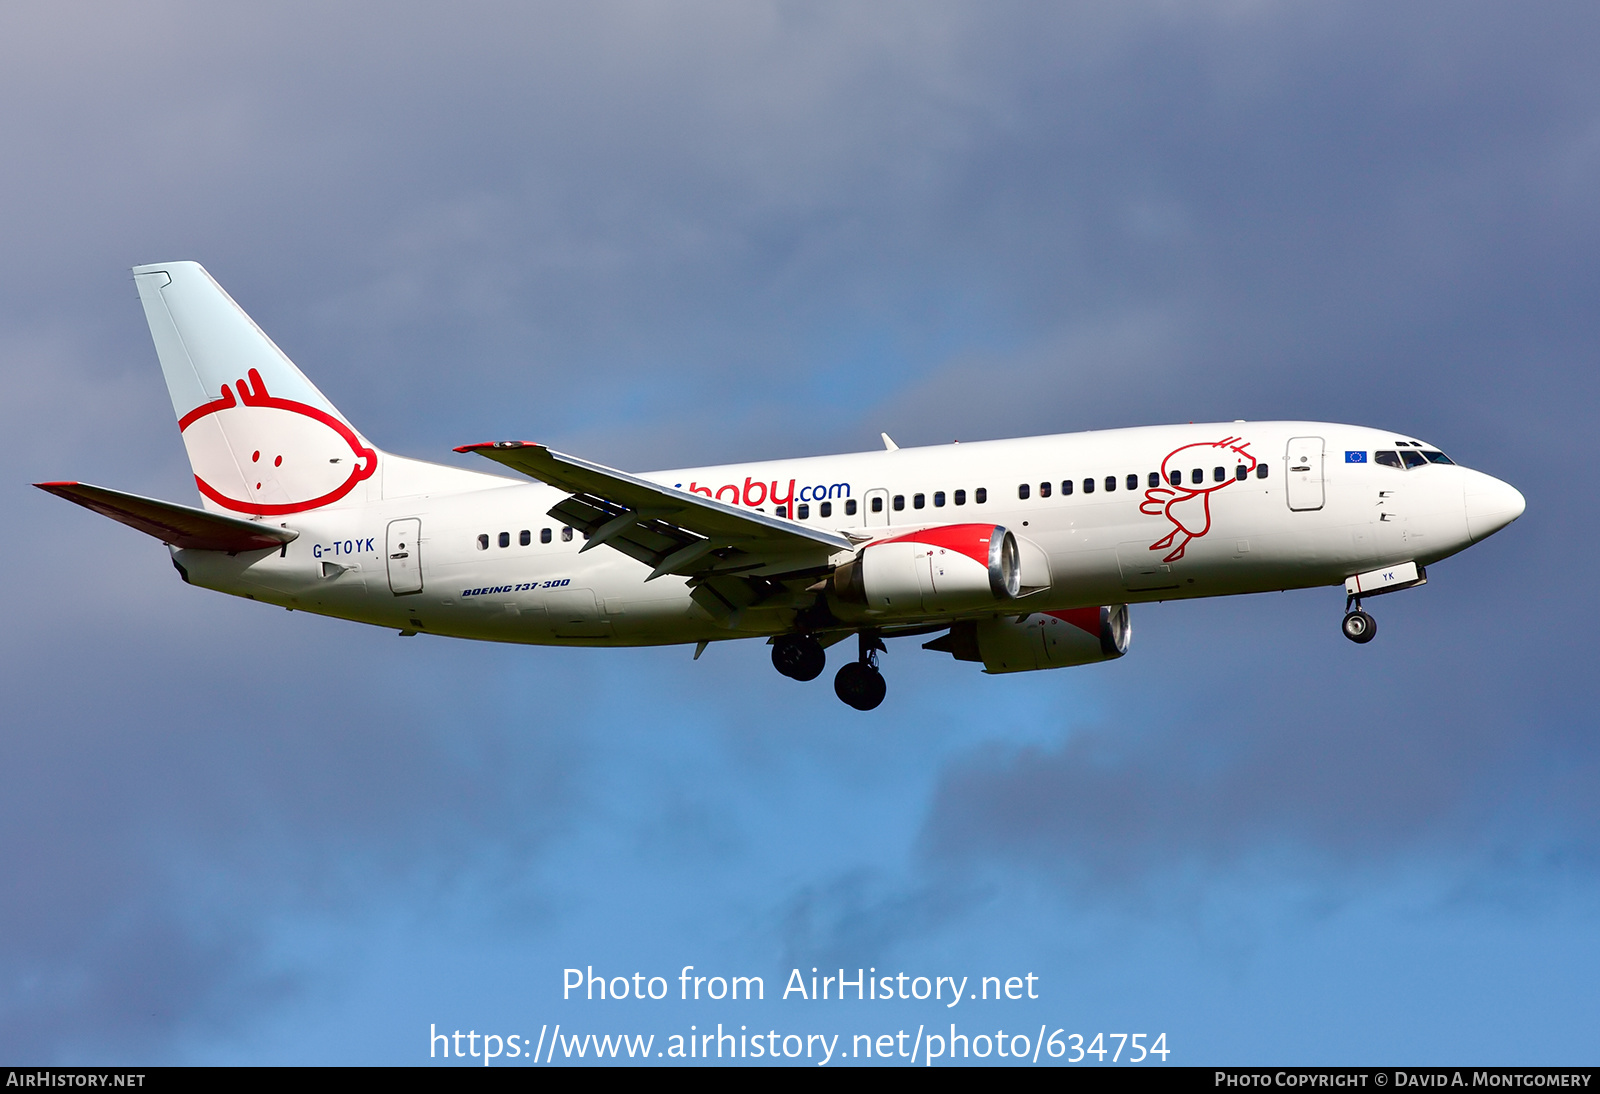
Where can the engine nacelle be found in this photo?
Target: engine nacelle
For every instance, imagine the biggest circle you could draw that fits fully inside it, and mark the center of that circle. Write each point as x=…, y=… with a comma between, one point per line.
x=1043, y=640
x=949, y=568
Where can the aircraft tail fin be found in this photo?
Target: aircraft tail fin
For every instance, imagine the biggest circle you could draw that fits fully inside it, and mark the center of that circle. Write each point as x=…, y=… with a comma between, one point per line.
x=262, y=440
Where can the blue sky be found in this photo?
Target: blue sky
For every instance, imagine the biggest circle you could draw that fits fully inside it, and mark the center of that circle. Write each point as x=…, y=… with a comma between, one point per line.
x=668, y=235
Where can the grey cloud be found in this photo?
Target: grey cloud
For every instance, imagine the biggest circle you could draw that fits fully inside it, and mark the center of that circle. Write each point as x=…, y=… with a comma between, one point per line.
x=1230, y=741
x=671, y=234
x=707, y=212
x=861, y=919
x=161, y=810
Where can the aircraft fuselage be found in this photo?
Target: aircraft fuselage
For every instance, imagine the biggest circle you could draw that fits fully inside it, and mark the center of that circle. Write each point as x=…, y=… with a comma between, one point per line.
x=1211, y=534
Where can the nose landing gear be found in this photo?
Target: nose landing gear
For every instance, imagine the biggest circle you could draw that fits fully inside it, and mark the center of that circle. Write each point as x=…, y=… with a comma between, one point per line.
x=859, y=683
x=1358, y=626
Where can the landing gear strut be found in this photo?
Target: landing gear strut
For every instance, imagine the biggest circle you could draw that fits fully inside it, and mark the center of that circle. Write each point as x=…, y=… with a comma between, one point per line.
x=859, y=683
x=1358, y=626
x=798, y=656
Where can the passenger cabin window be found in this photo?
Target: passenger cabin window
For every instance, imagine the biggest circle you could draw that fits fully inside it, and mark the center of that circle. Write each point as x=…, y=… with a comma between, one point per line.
x=980, y=495
x=1066, y=487
x=544, y=535
x=899, y=502
x=1261, y=470
x=1133, y=482
x=1155, y=478
x=1088, y=486
x=1111, y=483
x=1044, y=490
x=918, y=501
x=483, y=542
x=805, y=511
x=1388, y=459
x=961, y=497
x=783, y=510
x=877, y=504
x=1436, y=457
x=1177, y=478
x=1241, y=473
x=938, y=499
x=1197, y=476
x=566, y=534
x=505, y=539
x=1412, y=459
x=524, y=537
x=826, y=509
x=1219, y=474
x=1023, y=492
x=850, y=507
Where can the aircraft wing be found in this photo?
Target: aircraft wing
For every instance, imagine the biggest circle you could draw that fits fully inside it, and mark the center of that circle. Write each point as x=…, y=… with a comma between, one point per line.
x=671, y=531
x=179, y=525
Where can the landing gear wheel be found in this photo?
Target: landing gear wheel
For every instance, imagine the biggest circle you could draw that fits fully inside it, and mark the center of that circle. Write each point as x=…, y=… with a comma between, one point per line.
x=799, y=657
x=860, y=685
x=1360, y=627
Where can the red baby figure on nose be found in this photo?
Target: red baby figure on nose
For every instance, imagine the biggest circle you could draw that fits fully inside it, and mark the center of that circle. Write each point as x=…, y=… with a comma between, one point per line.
x=1188, y=505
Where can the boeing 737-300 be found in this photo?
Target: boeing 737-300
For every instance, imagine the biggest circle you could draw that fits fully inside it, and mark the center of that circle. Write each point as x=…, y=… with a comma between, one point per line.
x=1018, y=554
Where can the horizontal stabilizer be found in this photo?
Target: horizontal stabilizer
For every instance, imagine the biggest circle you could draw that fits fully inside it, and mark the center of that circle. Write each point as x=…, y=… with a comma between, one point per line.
x=180, y=525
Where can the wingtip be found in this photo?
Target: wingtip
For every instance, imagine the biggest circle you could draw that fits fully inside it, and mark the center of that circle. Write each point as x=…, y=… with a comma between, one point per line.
x=48, y=485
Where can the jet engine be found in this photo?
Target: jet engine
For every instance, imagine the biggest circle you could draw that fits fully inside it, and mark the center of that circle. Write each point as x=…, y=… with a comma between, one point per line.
x=949, y=568
x=1042, y=640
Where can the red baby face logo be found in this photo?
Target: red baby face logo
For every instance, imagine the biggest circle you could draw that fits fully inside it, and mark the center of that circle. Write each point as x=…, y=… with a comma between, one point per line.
x=254, y=453
x=1186, y=499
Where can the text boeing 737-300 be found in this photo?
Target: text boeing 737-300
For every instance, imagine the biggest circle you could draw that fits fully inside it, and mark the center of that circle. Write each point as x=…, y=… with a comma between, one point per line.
x=1019, y=554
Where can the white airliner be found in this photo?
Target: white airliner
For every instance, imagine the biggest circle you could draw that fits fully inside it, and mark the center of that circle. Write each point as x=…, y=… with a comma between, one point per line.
x=1024, y=553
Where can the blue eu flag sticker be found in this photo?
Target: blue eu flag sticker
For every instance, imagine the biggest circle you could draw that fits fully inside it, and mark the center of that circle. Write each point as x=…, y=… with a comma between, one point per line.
x=1355, y=457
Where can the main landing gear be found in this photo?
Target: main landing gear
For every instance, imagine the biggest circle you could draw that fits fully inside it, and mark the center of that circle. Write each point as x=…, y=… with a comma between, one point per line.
x=798, y=656
x=859, y=683
x=1358, y=626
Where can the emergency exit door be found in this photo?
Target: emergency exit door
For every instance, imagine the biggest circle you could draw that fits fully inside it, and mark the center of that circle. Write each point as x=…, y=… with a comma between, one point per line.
x=404, y=551
x=1304, y=463
x=876, y=504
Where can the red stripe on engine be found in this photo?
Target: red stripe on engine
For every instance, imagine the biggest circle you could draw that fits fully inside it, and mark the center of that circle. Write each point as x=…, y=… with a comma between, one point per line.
x=1085, y=619
x=971, y=540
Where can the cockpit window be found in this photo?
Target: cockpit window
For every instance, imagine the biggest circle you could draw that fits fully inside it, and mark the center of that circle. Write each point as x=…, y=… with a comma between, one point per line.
x=1409, y=457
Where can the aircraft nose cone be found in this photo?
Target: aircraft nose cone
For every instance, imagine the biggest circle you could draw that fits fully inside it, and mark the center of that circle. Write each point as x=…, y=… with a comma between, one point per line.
x=1491, y=505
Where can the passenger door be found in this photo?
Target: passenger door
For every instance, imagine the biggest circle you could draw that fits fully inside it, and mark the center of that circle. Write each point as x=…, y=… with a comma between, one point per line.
x=1304, y=462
